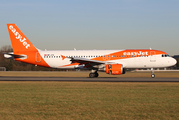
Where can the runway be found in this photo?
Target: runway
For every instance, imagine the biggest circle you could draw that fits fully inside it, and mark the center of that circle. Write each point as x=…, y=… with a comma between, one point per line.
x=83, y=79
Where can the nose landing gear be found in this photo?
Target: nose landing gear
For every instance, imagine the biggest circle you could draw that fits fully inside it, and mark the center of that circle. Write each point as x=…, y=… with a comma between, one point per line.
x=153, y=75
x=152, y=71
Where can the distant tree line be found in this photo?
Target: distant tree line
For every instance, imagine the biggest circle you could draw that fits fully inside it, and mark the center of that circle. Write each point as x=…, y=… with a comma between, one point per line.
x=12, y=65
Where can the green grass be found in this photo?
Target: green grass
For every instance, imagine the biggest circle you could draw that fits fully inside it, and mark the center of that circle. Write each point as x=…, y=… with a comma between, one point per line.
x=88, y=100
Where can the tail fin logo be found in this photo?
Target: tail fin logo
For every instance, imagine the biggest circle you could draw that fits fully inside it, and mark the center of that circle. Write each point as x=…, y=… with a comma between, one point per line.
x=19, y=37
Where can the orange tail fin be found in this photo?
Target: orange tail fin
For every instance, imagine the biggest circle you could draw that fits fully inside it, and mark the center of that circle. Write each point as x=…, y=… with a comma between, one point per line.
x=19, y=40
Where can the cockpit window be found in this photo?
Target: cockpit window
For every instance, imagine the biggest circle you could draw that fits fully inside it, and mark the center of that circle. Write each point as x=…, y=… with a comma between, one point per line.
x=164, y=55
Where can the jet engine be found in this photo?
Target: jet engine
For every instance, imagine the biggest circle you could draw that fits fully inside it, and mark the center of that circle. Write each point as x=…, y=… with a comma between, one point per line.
x=115, y=69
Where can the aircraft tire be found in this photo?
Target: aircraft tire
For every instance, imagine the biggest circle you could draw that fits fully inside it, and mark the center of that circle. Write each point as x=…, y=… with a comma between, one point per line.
x=96, y=74
x=92, y=75
x=153, y=76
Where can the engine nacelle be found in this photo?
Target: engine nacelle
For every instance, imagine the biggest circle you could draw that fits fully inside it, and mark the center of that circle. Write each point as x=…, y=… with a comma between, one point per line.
x=115, y=69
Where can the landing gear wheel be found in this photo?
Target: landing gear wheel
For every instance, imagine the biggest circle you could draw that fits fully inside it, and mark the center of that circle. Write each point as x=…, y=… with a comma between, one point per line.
x=92, y=75
x=96, y=74
x=153, y=75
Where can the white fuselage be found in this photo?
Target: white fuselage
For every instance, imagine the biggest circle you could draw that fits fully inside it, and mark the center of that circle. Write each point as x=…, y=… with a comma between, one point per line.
x=54, y=59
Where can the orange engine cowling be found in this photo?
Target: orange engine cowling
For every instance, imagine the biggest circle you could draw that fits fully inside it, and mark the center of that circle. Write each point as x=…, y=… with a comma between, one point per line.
x=115, y=69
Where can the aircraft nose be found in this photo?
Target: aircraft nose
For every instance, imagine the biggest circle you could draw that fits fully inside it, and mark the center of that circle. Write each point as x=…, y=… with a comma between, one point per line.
x=173, y=61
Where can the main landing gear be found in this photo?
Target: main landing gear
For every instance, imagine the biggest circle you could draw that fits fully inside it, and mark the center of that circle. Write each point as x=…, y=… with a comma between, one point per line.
x=93, y=74
x=152, y=71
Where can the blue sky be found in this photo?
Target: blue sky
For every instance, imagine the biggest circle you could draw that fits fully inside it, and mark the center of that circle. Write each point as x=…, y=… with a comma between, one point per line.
x=94, y=24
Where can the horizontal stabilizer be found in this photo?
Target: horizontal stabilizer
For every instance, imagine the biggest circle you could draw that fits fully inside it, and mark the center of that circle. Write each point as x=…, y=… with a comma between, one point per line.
x=12, y=56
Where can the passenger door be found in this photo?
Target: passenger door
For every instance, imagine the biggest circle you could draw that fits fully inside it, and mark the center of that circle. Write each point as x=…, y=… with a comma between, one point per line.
x=152, y=56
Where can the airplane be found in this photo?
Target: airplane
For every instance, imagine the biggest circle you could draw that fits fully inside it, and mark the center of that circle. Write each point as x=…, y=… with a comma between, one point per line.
x=114, y=62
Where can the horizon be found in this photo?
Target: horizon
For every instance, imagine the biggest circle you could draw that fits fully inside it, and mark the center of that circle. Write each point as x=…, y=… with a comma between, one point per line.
x=100, y=25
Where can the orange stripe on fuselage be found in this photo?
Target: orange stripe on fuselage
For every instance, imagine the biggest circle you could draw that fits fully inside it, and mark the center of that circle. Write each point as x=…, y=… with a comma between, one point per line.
x=70, y=65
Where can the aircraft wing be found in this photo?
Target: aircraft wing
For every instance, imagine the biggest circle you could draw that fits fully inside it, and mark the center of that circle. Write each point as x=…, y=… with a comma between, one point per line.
x=86, y=61
x=91, y=64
